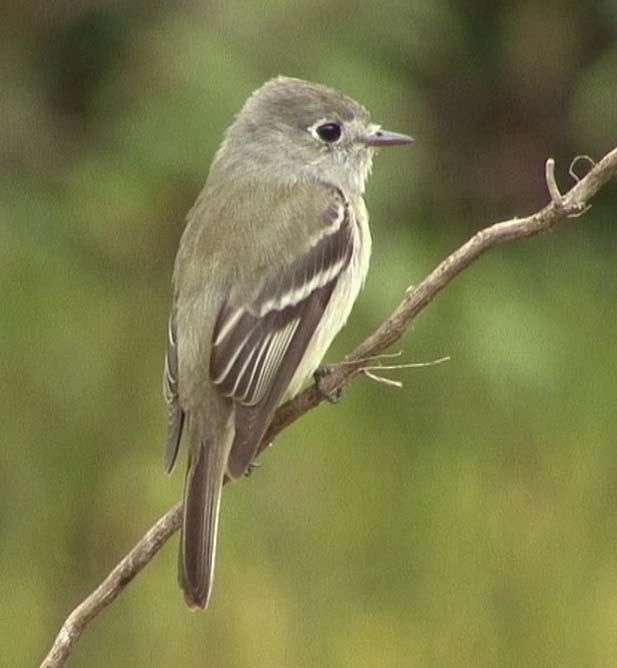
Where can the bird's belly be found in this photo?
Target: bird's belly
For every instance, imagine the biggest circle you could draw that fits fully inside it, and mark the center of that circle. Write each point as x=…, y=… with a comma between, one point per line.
x=334, y=318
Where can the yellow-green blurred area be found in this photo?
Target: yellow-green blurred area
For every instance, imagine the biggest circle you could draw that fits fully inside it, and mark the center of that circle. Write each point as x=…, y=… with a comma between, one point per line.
x=467, y=520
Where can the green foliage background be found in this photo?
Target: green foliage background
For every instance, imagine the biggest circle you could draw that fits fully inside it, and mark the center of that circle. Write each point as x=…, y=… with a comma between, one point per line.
x=468, y=520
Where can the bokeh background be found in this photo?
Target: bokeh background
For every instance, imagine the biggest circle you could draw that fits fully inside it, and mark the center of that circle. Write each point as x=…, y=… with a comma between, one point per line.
x=468, y=520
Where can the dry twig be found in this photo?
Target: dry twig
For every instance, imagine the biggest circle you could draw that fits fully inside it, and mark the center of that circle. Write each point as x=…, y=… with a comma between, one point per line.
x=369, y=371
x=573, y=203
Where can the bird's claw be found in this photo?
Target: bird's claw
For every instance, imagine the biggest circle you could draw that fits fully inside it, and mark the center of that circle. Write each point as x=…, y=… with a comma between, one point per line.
x=331, y=397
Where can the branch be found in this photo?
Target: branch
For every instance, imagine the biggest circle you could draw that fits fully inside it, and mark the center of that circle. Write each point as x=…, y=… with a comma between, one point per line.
x=573, y=203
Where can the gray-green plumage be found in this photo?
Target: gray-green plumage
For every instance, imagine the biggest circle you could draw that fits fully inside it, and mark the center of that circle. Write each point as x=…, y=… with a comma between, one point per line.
x=275, y=251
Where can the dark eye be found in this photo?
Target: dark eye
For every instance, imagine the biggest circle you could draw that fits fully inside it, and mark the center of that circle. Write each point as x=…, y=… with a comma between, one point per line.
x=329, y=131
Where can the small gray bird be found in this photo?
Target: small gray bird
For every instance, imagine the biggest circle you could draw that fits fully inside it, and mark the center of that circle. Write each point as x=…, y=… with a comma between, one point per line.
x=275, y=251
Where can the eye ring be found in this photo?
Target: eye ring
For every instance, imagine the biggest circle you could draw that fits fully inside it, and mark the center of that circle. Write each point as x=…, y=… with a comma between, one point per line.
x=329, y=132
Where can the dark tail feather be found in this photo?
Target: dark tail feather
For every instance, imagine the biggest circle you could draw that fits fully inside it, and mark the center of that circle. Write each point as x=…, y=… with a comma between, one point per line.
x=202, y=497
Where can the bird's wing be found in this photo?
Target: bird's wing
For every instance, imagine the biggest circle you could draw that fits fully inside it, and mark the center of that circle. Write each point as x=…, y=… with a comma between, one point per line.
x=259, y=342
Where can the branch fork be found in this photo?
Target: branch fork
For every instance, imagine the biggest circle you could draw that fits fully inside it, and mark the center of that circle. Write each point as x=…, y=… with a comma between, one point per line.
x=566, y=206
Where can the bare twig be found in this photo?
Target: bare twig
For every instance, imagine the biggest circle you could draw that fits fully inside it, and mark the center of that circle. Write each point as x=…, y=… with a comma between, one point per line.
x=551, y=184
x=559, y=209
x=369, y=371
x=408, y=365
x=372, y=358
x=381, y=379
x=579, y=158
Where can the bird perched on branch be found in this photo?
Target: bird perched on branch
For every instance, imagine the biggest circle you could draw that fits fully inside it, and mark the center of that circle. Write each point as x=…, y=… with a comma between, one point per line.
x=273, y=256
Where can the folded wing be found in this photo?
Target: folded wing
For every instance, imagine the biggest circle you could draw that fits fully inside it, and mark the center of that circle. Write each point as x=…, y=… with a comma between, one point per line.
x=258, y=343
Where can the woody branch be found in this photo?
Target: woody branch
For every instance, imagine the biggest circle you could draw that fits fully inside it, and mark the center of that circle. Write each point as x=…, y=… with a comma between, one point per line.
x=561, y=207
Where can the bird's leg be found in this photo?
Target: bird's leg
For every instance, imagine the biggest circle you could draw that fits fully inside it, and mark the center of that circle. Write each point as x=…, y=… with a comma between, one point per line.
x=319, y=375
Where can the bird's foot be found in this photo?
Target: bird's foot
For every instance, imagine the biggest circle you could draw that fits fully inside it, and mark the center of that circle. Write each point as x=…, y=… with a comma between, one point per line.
x=319, y=375
x=252, y=467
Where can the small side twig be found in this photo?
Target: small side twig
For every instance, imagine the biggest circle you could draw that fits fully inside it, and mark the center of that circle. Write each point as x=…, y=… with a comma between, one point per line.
x=551, y=183
x=381, y=379
x=570, y=209
x=369, y=371
x=372, y=358
x=579, y=158
x=409, y=365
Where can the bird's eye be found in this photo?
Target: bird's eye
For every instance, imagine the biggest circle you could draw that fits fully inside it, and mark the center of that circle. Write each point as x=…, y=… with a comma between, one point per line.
x=329, y=132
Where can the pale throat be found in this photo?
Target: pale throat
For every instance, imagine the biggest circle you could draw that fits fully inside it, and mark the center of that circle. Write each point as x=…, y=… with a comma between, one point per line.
x=349, y=172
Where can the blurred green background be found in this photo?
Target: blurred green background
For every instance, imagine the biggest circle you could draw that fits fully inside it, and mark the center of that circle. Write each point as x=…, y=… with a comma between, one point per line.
x=467, y=520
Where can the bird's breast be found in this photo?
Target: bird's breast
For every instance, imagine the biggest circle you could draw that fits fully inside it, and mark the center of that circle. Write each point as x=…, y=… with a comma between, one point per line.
x=339, y=307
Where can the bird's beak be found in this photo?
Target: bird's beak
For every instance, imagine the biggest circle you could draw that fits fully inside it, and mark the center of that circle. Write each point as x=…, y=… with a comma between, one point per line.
x=379, y=137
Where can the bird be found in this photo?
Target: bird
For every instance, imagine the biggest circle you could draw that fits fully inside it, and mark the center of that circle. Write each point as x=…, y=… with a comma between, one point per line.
x=274, y=253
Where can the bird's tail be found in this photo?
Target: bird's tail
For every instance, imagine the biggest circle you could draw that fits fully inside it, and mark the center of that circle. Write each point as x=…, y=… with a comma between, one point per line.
x=202, y=499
